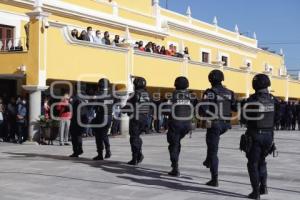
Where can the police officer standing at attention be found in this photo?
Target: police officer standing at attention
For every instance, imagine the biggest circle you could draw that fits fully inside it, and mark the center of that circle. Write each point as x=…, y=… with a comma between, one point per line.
x=181, y=114
x=218, y=120
x=103, y=118
x=260, y=123
x=140, y=102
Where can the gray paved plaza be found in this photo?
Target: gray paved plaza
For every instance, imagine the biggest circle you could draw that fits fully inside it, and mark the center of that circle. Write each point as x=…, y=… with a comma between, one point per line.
x=31, y=172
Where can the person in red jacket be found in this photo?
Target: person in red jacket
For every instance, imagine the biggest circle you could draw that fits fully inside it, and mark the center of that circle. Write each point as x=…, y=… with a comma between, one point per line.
x=65, y=116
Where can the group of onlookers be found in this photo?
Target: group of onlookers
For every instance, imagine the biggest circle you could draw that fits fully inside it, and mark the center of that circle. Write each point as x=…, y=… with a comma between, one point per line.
x=289, y=116
x=96, y=38
x=13, y=119
x=63, y=112
x=151, y=47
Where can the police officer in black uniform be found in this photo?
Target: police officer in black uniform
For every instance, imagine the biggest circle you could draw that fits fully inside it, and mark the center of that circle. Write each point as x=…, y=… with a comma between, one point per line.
x=260, y=123
x=104, y=118
x=298, y=114
x=75, y=129
x=218, y=120
x=180, y=118
x=139, y=118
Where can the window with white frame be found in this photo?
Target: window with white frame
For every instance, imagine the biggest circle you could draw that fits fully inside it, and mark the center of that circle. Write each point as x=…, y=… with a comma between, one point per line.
x=205, y=56
x=224, y=58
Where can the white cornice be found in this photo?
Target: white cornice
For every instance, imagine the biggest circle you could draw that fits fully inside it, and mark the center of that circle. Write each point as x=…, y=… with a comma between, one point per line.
x=210, y=36
x=82, y=13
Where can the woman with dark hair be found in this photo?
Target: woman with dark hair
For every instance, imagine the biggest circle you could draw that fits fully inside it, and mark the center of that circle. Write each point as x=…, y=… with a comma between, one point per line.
x=74, y=34
x=83, y=36
x=163, y=50
x=148, y=47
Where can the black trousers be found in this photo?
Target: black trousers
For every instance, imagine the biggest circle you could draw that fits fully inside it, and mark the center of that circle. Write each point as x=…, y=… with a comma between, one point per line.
x=21, y=131
x=76, y=135
x=257, y=166
x=177, y=131
x=101, y=135
x=136, y=127
x=212, y=141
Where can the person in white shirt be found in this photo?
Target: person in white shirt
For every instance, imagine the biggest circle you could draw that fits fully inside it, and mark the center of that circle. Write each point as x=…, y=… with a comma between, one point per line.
x=98, y=39
x=90, y=34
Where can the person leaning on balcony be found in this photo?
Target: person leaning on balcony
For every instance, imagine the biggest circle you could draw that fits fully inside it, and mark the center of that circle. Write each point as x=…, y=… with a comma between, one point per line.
x=148, y=47
x=65, y=116
x=171, y=51
x=116, y=41
x=141, y=46
x=186, y=53
x=83, y=36
x=154, y=47
x=163, y=50
x=157, y=49
x=74, y=34
x=90, y=36
x=98, y=39
x=105, y=39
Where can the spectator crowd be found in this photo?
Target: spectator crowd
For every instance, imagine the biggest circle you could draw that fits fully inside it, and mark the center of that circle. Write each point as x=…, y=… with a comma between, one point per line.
x=14, y=118
x=151, y=47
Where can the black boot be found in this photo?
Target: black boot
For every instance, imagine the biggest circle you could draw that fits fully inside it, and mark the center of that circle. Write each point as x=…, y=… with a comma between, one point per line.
x=140, y=158
x=98, y=157
x=174, y=172
x=254, y=195
x=133, y=162
x=74, y=155
x=107, y=154
x=263, y=190
x=214, y=182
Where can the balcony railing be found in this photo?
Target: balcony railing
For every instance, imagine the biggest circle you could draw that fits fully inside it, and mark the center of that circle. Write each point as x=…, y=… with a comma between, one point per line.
x=13, y=44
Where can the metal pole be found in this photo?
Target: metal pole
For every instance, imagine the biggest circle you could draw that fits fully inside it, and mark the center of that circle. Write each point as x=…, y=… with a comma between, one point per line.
x=167, y=4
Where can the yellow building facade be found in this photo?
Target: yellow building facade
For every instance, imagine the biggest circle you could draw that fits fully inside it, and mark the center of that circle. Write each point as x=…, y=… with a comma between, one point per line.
x=53, y=54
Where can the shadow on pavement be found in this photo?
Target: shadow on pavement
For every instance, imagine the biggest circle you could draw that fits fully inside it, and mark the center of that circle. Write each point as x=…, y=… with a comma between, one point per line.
x=146, y=178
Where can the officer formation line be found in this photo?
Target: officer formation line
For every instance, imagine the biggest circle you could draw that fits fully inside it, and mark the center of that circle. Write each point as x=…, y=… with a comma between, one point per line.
x=257, y=142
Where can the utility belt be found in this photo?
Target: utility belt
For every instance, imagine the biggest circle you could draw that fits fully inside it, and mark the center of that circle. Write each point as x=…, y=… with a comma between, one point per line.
x=210, y=123
x=260, y=131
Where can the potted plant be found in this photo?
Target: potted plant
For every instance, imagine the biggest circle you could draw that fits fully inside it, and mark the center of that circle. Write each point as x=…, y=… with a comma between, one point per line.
x=49, y=129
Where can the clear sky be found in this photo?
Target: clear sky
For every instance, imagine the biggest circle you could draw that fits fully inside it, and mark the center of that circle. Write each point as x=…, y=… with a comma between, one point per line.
x=276, y=22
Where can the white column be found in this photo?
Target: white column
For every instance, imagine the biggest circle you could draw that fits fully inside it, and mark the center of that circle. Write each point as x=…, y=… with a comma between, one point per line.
x=156, y=13
x=115, y=8
x=34, y=110
x=287, y=89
